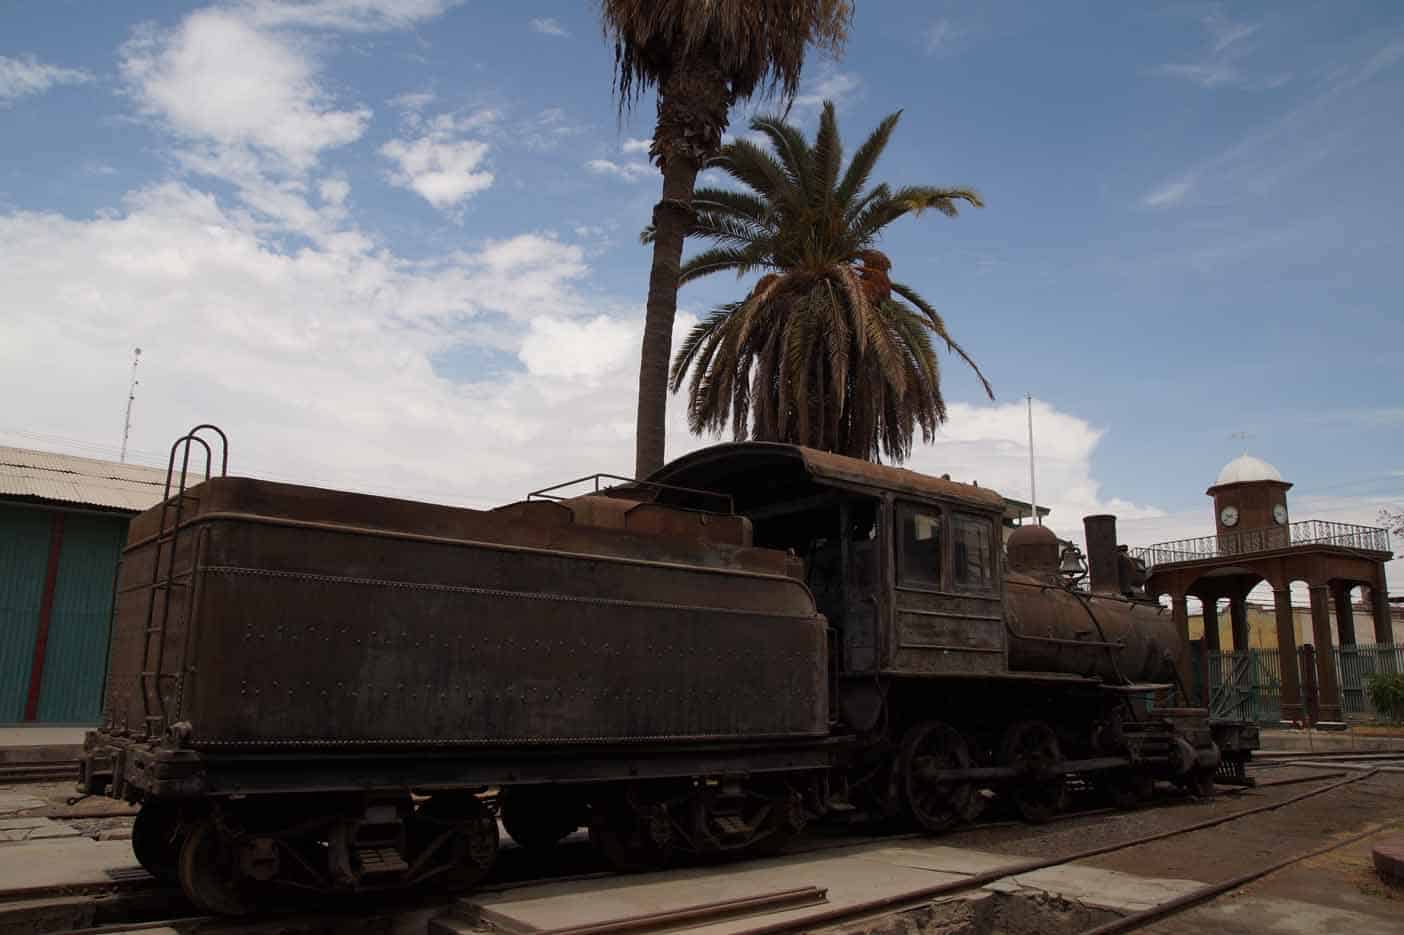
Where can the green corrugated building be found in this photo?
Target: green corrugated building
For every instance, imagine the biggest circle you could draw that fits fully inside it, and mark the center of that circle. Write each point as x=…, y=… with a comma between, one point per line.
x=63, y=521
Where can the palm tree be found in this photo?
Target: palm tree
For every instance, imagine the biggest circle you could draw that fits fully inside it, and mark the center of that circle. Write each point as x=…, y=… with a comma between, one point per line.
x=826, y=351
x=703, y=56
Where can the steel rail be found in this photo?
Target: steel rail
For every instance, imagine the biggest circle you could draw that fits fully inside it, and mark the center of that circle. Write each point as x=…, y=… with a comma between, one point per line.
x=115, y=888
x=974, y=881
x=1189, y=900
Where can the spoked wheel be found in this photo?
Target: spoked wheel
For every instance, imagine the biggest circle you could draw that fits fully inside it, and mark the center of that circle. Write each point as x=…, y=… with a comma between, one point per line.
x=936, y=804
x=538, y=818
x=156, y=840
x=632, y=839
x=462, y=834
x=1040, y=791
x=209, y=872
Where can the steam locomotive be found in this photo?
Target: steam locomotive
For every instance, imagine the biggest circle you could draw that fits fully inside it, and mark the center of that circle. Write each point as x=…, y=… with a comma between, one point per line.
x=330, y=691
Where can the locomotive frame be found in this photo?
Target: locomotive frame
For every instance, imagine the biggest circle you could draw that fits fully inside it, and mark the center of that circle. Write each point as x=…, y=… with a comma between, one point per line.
x=849, y=641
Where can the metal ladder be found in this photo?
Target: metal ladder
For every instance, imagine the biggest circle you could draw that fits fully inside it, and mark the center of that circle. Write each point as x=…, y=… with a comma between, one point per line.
x=165, y=581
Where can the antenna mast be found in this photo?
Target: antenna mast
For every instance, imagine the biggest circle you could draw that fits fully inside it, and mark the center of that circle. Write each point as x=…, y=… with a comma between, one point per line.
x=1033, y=488
x=131, y=398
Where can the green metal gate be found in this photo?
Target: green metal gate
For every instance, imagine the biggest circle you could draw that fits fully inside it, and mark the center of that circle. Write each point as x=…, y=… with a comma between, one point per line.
x=70, y=680
x=24, y=556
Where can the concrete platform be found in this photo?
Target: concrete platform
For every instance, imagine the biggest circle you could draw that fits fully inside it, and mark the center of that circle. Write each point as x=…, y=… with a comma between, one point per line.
x=1318, y=741
x=1388, y=856
x=63, y=862
x=15, y=830
x=40, y=744
x=857, y=876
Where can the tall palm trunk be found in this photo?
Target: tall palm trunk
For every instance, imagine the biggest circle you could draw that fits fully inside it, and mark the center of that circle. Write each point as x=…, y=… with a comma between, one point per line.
x=671, y=218
x=692, y=114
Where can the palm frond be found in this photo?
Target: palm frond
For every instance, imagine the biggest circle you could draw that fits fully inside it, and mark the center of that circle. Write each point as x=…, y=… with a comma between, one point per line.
x=757, y=44
x=937, y=324
x=743, y=260
x=827, y=157
x=865, y=158
x=826, y=350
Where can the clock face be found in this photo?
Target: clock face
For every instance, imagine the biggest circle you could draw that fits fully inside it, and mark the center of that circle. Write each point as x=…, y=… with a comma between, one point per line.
x=1229, y=516
x=1279, y=514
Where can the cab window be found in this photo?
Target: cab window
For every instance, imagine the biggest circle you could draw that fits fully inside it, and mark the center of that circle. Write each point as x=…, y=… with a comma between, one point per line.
x=919, y=546
x=972, y=552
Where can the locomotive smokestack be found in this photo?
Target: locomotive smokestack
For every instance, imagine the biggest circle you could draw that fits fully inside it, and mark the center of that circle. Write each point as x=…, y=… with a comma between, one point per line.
x=1101, y=553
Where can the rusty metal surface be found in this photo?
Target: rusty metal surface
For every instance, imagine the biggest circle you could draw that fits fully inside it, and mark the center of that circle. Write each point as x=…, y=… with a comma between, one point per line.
x=1102, y=562
x=697, y=468
x=1033, y=549
x=303, y=631
x=1053, y=630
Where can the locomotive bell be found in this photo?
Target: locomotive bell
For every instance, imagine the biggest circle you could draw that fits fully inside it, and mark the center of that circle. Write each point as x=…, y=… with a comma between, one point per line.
x=1073, y=566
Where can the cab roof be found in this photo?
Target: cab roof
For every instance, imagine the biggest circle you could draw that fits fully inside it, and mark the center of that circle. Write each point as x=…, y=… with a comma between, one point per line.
x=745, y=469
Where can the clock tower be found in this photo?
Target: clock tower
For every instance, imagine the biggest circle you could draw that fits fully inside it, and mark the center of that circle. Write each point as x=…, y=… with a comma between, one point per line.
x=1249, y=496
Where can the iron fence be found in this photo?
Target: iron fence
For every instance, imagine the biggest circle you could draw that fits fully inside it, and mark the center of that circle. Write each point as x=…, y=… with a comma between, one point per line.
x=1247, y=541
x=1247, y=685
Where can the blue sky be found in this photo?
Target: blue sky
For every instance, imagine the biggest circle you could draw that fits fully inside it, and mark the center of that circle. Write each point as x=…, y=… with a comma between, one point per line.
x=391, y=244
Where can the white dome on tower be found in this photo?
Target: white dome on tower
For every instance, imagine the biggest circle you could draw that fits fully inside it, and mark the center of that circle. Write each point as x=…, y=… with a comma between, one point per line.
x=1245, y=469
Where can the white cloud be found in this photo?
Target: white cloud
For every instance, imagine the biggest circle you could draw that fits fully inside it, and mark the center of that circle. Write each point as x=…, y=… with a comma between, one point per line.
x=319, y=360
x=1225, y=32
x=334, y=190
x=350, y=15
x=548, y=25
x=218, y=79
x=941, y=35
x=1220, y=66
x=28, y=75
x=413, y=101
x=989, y=444
x=1204, y=74
x=829, y=85
x=1169, y=194
x=628, y=171
x=444, y=172
x=590, y=349
x=633, y=146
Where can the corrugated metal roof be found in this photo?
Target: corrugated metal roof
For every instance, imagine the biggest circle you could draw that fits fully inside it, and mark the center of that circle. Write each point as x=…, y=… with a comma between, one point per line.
x=44, y=475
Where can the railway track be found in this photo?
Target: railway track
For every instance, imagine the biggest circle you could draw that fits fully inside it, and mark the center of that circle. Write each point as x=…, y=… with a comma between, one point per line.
x=38, y=771
x=1127, y=923
x=159, y=904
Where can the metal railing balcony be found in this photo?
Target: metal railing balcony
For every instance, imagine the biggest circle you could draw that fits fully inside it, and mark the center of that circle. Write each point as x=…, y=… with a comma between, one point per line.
x=1249, y=541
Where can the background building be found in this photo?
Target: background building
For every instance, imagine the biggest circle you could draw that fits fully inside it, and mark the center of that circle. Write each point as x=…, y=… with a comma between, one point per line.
x=63, y=521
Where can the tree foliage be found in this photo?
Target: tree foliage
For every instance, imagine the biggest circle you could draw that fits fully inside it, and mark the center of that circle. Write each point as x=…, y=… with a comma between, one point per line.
x=827, y=350
x=702, y=56
x=1393, y=520
x=1386, y=695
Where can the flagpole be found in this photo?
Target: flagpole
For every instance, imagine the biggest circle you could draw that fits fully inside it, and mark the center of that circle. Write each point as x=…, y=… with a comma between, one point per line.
x=1033, y=488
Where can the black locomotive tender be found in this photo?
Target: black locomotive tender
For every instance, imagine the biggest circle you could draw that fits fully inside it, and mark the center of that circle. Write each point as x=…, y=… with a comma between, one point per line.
x=333, y=691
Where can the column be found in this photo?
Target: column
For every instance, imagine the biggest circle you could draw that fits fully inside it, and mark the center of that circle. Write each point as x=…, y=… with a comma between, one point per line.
x=1326, y=681
x=1287, y=655
x=1345, y=637
x=1379, y=600
x=1345, y=613
x=1238, y=616
x=1211, y=623
x=1384, y=625
x=1179, y=611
